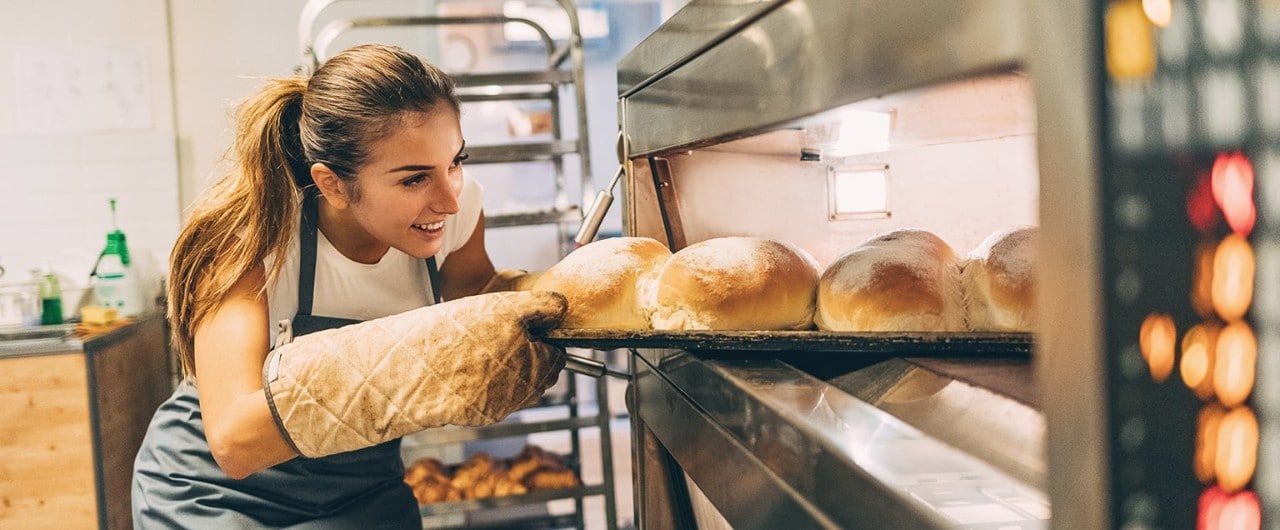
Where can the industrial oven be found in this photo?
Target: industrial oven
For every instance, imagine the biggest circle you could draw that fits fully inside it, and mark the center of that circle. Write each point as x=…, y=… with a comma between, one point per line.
x=1143, y=137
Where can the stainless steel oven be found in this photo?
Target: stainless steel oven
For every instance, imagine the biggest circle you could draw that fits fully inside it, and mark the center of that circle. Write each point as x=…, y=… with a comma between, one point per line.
x=1143, y=137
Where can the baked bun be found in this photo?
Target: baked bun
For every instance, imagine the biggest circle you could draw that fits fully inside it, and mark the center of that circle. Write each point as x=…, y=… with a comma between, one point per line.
x=999, y=281
x=905, y=280
x=736, y=283
x=601, y=281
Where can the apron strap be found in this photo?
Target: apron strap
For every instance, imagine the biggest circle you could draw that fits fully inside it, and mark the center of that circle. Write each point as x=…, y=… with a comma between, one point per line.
x=433, y=274
x=307, y=260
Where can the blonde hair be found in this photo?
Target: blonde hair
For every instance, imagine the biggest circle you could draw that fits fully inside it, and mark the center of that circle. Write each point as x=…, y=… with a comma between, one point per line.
x=333, y=117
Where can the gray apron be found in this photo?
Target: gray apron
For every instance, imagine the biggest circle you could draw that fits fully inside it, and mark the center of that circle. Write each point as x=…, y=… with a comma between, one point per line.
x=177, y=484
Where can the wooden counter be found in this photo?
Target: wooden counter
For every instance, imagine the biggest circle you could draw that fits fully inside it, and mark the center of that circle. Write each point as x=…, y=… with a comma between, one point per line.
x=71, y=423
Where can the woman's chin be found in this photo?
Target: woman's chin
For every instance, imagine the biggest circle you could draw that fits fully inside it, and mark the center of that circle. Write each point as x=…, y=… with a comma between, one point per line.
x=420, y=250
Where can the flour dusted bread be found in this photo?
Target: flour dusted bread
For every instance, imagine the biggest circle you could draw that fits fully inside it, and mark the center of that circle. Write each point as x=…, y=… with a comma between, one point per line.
x=905, y=280
x=736, y=283
x=999, y=281
x=602, y=281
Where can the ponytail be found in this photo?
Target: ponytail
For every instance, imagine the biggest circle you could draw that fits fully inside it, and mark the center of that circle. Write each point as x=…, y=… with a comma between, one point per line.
x=250, y=214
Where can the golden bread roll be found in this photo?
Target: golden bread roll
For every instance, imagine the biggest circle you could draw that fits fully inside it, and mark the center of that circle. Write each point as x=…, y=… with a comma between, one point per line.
x=548, y=479
x=736, y=283
x=601, y=281
x=905, y=280
x=999, y=281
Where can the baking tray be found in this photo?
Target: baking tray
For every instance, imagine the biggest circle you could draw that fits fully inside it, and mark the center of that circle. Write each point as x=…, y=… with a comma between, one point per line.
x=721, y=342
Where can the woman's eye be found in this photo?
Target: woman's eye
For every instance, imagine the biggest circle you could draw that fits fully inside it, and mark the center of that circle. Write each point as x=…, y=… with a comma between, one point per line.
x=458, y=161
x=414, y=180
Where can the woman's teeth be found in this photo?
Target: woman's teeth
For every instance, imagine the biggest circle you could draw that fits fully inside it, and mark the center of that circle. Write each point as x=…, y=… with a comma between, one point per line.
x=430, y=227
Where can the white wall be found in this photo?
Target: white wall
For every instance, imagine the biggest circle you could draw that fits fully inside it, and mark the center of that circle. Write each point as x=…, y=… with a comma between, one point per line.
x=86, y=113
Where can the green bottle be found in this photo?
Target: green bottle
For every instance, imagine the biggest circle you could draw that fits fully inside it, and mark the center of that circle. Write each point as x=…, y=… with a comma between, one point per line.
x=50, y=300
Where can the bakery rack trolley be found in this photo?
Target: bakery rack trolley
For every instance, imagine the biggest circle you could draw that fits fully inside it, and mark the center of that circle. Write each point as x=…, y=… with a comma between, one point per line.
x=563, y=68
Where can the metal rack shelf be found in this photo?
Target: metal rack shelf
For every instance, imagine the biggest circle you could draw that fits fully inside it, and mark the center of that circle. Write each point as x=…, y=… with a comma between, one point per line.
x=536, y=497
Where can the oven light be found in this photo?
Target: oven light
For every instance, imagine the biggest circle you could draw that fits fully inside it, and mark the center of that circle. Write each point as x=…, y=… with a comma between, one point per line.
x=1237, y=449
x=1233, y=191
x=1198, y=352
x=1202, y=280
x=1220, y=511
x=858, y=192
x=1233, y=268
x=1157, y=339
x=1235, y=363
x=1159, y=12
x=1130, y=45
x=1207, y=422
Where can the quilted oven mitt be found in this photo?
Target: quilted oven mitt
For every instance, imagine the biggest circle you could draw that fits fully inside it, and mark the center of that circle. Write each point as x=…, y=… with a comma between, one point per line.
x=469, y=361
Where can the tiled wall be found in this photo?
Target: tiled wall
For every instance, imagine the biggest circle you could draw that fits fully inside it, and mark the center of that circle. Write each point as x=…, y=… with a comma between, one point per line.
x=86, y=114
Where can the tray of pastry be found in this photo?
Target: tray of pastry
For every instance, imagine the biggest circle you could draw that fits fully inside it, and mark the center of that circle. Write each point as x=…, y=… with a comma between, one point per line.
x=482, y=481
x=917, y=344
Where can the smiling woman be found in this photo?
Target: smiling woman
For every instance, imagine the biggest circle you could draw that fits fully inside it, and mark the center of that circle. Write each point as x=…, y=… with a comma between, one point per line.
x=348, y=203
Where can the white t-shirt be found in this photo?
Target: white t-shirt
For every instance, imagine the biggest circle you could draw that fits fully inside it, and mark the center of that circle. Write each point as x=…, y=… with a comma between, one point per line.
x=347, y=289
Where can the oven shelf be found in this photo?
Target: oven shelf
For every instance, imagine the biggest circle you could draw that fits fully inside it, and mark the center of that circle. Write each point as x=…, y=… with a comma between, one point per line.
x=916, y=344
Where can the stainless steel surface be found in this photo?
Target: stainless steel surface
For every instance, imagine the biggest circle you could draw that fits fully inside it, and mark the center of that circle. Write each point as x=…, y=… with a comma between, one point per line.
x=38, y=340
x=985, y=407
x=773, y=447
x=809, y=56
x=596, y=212
x=591, y=367
x=693, y=29
x=1070, y=348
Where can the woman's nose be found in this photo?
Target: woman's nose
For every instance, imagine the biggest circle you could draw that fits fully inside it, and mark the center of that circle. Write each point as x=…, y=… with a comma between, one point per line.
x=444, y=199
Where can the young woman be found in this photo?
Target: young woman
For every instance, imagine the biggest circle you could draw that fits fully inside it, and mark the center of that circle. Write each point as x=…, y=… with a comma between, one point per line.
x=348, y=203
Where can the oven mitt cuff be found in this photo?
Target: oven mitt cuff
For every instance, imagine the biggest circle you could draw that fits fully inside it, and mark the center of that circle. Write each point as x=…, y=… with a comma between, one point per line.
x=468, y=362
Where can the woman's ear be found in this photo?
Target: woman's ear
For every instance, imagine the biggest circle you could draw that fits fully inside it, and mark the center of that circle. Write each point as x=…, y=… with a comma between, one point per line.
x=330, y=185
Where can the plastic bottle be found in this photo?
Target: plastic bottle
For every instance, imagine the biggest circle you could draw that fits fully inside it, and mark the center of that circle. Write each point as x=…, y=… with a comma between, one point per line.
x=50, y=299
x=114, y=282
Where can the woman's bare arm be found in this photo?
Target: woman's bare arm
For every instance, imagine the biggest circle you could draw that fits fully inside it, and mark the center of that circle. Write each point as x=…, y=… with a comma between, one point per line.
x=230, y=347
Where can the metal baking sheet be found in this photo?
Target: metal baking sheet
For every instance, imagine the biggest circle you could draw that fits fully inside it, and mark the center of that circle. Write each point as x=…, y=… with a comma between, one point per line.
x=906, y=343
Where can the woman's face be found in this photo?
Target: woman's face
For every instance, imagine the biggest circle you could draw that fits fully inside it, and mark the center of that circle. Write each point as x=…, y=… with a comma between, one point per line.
x=411, y=183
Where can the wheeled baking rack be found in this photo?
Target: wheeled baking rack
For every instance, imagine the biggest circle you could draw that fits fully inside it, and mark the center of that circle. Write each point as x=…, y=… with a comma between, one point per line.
x=319, y=29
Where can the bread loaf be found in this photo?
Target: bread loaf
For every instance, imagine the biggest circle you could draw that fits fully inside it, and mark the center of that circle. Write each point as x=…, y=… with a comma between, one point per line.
x=905, y=280
x=601, y=280
x=736, y=283
x=999, y=281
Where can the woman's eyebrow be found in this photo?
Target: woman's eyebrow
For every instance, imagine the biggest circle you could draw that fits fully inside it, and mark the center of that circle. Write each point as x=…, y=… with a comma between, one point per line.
x=418, y=167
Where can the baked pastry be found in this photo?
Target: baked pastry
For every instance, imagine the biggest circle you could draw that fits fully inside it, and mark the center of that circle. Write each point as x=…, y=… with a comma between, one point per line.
x=736, y=283
x=602, y=279
x=905, y=280
x=998, y=279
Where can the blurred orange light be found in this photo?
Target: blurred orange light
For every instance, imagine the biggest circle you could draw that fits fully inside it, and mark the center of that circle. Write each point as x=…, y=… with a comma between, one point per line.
x=1220, y=511
x=1130, y=45
x=1202, y=280
x=1233, y=268
x=1235, y=363
x=1233, y=191
x=1198, y=352
x=1157, y=339
x=1237, y=449
x=1159, y=12
x=1206, y=454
